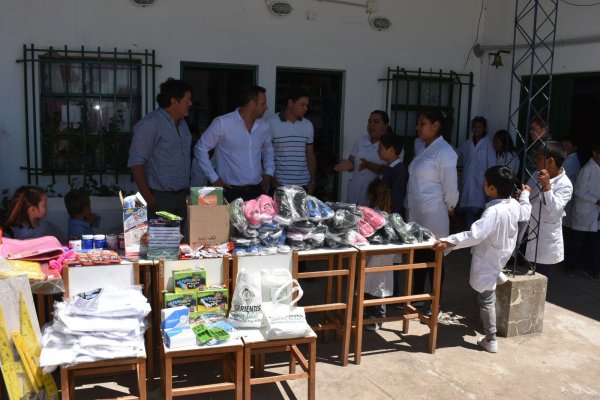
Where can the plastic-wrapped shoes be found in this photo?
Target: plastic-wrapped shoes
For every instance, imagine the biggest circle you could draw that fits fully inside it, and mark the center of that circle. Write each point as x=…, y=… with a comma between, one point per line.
x=421, y=233
x=371, y=216
x=365, y=229
x=252, y=213
x=401, y=229
x=266, y=206
x=343, y=219
x=313, y=209
x=290, y=204
x=236, y=215
x=354, y=238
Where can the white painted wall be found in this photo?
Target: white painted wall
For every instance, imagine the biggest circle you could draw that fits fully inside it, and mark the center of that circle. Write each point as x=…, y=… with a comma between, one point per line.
x=432, y=33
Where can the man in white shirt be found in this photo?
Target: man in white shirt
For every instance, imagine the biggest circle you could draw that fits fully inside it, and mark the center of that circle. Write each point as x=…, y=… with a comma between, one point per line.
x=243, y=148
x=493, y=238
x=295, y=160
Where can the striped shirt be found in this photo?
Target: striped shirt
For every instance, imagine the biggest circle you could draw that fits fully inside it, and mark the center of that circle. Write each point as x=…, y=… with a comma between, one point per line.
x=289, y=142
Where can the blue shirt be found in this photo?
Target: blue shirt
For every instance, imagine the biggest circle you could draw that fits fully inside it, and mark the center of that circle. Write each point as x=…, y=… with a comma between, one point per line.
x=241, y=157
x=25, y=232
x=163, y=150
x=78, y=227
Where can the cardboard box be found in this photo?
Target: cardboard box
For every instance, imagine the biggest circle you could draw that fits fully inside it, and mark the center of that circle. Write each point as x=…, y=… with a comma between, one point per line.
x=186, y=281
x=208, y=225
x=180, y=299
x=135, y=224
x=206, y=196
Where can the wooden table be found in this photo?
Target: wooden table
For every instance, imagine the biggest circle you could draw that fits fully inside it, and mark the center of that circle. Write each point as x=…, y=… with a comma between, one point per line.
x=339, y=312
x=410, y=312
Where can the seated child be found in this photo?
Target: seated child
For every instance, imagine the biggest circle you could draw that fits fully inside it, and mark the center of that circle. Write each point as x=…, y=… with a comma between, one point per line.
x=493, y=238
x=81, y=218
x=551, y=191
x=28, y=208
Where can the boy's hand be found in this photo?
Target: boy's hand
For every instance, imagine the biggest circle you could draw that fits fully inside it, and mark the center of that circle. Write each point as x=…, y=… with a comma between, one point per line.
x=440, y=245
x=525, y=187
x=544, y=180
x=91, y=218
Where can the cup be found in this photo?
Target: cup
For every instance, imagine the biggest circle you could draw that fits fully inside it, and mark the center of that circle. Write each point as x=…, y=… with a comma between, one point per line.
x=111, y=241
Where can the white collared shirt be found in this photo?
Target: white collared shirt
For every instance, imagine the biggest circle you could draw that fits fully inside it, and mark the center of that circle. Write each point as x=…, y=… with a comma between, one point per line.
x=241, y=157
x=586, y=212
x=476, y=159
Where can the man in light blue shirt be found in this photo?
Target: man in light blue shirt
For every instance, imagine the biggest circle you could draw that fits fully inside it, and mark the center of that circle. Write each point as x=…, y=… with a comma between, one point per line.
x=159, y=156
x=242, y=141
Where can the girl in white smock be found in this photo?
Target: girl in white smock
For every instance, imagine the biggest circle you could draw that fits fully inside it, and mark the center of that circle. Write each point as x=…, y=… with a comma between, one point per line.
x=364, y=161
x=505, y=153
x=477, y=155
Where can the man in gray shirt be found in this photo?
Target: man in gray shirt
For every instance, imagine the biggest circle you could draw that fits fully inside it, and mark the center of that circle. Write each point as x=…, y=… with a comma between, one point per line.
x=159, y=156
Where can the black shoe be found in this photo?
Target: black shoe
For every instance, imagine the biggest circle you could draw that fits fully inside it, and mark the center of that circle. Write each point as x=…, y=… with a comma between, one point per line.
x=570, y=272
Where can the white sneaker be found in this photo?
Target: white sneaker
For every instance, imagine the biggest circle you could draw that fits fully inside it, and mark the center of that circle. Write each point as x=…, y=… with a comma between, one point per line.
x=372, y=327
x=491, y=346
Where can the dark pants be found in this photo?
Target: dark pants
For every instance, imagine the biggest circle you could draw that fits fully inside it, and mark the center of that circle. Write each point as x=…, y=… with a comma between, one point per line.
x=544, y=269
x=374, y=311
x=419, y=275
x=586, y=244
x=173, y=202
x=246, y=192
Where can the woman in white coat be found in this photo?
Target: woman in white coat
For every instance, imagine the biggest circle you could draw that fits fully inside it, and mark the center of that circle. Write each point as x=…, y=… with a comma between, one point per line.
x=585, y=221
x=432, y=191
x=364, y=161
x=477, y=155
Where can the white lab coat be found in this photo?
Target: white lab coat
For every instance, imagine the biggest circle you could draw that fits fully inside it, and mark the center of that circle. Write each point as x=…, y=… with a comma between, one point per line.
x=587, y=193
x=571, y=166
x=432, y=187
x=357, y=186
x=509, y=159
x=493, y=238
x=380, y=284
x=476, y=159
x=549, y=243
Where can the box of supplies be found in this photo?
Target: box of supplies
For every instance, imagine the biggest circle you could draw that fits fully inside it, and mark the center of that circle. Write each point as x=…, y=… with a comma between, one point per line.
x=135, y=224
x=208, y=225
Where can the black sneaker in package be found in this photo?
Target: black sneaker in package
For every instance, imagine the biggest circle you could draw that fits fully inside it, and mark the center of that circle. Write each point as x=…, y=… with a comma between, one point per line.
x=290, y=203
x=401, y=229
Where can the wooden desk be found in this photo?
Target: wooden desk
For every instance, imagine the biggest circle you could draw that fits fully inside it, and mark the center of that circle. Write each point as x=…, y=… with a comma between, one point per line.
x=339, y=313
x=256, y=345
x=410, y=312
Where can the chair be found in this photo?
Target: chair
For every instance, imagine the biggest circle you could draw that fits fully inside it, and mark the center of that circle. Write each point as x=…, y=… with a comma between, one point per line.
x=255, y=346
x=81, y=279
x=230, y=353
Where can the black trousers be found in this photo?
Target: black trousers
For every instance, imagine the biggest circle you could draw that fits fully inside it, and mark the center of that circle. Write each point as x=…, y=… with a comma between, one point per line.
x=246, y=192
x=419, y=275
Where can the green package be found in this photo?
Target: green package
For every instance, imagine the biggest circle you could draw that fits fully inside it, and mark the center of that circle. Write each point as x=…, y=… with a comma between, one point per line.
x=189, y=281
x=212, y=301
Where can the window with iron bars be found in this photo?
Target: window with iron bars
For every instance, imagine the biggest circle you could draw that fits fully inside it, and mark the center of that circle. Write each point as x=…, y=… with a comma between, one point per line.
x=86, y=102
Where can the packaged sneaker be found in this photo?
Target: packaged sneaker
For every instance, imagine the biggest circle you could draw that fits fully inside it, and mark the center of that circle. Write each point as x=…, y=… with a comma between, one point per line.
x=343, y=219
x=236, y=215
x=354, y=238
x=266, y=206
x=252, y=213
x=313, y=209
x=365, y=229
x=284, y=249
x=371, y=216
x=325, y=210
x=491, y=346
x=421, y=233
x=401, y=229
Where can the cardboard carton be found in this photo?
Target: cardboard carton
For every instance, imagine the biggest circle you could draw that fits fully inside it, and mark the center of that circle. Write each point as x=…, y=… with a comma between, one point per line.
x=208, y=225
x=135, y=224
x=207, y=196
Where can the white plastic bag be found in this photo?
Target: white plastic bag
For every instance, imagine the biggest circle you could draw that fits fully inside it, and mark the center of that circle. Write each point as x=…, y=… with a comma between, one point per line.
x=246, y=302
x=271, y=280
x=281, y=318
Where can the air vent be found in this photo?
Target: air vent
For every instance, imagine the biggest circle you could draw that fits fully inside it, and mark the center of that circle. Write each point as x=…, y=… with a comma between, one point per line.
x=143, y=3
x=380, y=23
x=280, y=8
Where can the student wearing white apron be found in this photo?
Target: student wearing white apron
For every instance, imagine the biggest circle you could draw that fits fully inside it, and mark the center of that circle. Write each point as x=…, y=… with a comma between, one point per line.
x=432, y=190
x=477, y=155
x=505, y=151
x=364, y=161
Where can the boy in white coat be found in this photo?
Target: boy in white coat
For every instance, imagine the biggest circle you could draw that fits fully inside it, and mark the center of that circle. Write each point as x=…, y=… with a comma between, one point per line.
x=551, y=191
x=493, y=238
x=585, y=222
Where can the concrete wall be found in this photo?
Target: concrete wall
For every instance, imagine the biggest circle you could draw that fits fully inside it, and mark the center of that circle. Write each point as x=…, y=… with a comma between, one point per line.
x=431, y=34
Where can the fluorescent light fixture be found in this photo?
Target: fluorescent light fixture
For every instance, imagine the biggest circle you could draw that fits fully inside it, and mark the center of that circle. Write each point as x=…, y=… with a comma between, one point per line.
x=143, y=3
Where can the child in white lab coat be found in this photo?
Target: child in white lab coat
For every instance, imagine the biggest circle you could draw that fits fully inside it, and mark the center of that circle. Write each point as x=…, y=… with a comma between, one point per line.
x=493, y=238
x=585, y=222
x=551, y=191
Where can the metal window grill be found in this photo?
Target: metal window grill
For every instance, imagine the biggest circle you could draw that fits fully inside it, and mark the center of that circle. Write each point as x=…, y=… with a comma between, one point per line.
x=409, y=92
x=80, y=107
x=535, y=26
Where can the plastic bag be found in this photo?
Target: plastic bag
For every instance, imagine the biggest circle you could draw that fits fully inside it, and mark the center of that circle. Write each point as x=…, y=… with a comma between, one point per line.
x=401, y=229
x=281, y=318
x=246, y=309
x=290, y=204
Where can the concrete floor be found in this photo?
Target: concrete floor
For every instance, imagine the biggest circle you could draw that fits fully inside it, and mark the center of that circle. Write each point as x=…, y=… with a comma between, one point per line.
x=563, y=362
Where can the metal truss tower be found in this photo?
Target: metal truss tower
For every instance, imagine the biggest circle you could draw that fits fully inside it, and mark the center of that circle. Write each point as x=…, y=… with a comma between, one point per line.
x=530, y=92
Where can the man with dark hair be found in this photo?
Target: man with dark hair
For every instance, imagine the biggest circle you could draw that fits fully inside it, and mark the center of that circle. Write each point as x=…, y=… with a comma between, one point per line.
x=295, y=160
x=243, y=148
x=159, y=156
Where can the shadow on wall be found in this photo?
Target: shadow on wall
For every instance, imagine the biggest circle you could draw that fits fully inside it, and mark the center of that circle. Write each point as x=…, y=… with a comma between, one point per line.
x=107, y=208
